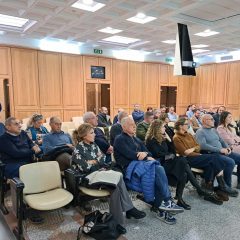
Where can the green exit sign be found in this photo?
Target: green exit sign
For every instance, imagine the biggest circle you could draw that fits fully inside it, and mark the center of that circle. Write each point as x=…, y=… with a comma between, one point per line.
x=98, y=51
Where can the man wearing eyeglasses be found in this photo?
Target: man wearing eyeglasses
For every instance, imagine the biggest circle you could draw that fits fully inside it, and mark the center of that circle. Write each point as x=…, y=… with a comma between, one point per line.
x=16, y=148
x=210, y=142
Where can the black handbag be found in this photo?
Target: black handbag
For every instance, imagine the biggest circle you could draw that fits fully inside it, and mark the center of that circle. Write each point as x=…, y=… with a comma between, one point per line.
x=52, y=155
x=99, y=226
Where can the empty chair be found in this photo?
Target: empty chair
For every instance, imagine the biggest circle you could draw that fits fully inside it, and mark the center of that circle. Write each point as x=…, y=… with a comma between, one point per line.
x=77, y=121
x=67, y=125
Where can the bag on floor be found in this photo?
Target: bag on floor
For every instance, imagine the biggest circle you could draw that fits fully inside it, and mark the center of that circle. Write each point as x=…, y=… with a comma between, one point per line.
x=99, y=226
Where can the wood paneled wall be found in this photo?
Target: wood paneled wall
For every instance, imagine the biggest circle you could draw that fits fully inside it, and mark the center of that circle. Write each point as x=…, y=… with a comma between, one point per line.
x=55, y=83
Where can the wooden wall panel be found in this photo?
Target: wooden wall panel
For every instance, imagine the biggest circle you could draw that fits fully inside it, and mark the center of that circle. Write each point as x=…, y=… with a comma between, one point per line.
x=219, y=83
x=206, y=84
x=72, y=76
x=68, y=114
x=50, y=79
x=50, y=113
x=5, y=61
x=173, y=80
x=195, y=88
x=25, y=78
x=20, y=114
x=163, y=75
x=232, y=86
x=151, y=85
x=88, y=62
x=120, y=84
x=136, y=92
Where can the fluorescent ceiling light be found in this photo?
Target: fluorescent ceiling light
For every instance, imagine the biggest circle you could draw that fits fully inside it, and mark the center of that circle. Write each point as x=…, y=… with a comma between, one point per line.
x=141, y=18
x=120, y=39
x=169, y=41
x=132, y=55
x=88, y=5
x=200, y=46
x=12, y=21
x=2, y=32
x=206, y=33
x=199, y=50
x=110, y=30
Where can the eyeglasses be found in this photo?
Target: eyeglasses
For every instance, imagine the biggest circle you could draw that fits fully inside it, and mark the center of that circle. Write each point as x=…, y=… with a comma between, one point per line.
x=17, y=123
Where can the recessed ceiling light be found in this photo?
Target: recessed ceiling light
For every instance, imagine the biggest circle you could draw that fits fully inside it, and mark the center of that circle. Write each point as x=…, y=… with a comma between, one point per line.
x=199, y=50
x=169, y=41
x=141, y=18
x=206, y=33
x=200, y=46
x=110, y=30
x=88, y=5
x=120, y=39
x=2, y=32
x=12, y=21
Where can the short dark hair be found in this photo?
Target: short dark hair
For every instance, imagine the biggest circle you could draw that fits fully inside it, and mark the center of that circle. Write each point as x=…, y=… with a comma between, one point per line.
x=195, y=110
x=180, y=122
x=148, y=114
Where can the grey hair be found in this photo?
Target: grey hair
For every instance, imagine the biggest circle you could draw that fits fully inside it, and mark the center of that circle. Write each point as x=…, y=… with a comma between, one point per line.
x=52, y=119
x=121, y=115
x=9, y=121
x=88, y=115
x=125, y=120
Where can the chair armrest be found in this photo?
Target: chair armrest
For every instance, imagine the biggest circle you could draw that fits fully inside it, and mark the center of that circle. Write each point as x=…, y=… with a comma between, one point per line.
x=17, y=183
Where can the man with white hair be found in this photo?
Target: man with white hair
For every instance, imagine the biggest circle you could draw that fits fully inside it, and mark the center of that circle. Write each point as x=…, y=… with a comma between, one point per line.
x=100, y=139
x=210, y=142
x=143, y=173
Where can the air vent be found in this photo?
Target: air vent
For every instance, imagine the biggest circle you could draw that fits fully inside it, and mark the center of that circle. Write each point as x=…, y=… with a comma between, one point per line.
x=226, y=58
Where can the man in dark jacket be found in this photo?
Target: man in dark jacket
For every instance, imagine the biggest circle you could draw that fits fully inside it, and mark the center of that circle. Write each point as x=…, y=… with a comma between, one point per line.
x=103, y=118
x=16, y=148
x=130, y=150
x=100, y=139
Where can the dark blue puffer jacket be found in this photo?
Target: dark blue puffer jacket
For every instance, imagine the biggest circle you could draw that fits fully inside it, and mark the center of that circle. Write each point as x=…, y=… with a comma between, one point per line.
x=140, y=177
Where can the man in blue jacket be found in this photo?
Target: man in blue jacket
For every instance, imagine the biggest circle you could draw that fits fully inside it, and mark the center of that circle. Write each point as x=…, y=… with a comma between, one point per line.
x=131, y=153
x=137, y=114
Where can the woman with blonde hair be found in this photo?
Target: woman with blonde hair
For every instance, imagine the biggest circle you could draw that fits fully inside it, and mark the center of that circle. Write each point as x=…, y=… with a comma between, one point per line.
x=88, y=158
x=177, y=168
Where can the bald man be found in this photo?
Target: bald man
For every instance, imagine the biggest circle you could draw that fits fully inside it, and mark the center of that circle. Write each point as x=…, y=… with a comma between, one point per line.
x=56, y=140
x=210, y=142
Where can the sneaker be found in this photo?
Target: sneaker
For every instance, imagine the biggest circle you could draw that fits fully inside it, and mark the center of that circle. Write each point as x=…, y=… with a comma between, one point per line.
x=171, y=206
x=135, y=213
x=166, y=217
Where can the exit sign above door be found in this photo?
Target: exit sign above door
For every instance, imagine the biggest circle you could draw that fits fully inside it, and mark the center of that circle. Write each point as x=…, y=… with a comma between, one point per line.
x=98, y=51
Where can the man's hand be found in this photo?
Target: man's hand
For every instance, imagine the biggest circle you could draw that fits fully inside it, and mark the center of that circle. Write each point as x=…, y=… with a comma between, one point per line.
x=188, y=151
x=70, y=145
x=36, y=149
x=110, y=150
x=141, y=155
x=224, y=151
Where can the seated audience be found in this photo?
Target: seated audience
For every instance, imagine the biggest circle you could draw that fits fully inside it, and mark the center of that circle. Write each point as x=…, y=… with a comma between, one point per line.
x=189, y=112
x=149, y=109
x=137, y=114
x=156, y=113
x=115, y=119
x=2, y=128
x=172, y=115
x=211, y=110
x=163, y=109
x=16, y=148
x=142, y=172
x=103, y=118
x=143, y=126
x=170, y=132
x=216, y=116
x=202, y=110
x=57, y=144
x=212, y=165
x=88, y=158
x=100, y=139
x=211, y=142
x=36, y=130
x=116, y=128
x=196, y=120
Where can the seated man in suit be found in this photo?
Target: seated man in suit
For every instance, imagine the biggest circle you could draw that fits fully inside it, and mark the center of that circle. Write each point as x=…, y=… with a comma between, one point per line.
x=142, y=172
x=100, y=139
x=196, y=120
x=210, y=142
x=103, y=118
x=16, y=148
x=116, y=128
x=58, y=144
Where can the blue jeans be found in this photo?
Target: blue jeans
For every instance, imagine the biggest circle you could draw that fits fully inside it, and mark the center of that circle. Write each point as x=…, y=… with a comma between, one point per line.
x=230, y=161
x=161, y=186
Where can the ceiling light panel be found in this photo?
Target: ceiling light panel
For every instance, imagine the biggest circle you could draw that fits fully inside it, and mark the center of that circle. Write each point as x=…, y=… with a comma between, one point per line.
x=88, y=5
x=169, y=41
x=200, y=46
x=12, y=21
x=194, y=51
x=120, y=39
x=206, y=33
x=141, y=18
x=110, y=30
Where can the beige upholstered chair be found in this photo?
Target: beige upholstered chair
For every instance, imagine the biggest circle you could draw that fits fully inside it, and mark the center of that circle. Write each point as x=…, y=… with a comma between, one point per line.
x=43, y=187
x=47, y=126
x=67, y=125
x=77, y=121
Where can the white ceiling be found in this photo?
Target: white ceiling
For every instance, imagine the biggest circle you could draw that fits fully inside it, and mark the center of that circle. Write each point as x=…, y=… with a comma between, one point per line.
x=57, y=19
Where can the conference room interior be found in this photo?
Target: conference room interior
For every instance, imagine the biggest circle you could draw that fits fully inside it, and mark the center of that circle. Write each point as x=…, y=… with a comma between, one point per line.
x=66, y=58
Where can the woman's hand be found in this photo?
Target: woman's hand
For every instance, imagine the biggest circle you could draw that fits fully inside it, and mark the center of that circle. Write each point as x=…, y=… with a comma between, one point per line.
x=92, y=162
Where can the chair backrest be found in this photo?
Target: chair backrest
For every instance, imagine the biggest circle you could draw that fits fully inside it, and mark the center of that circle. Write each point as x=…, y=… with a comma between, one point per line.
x=40, y=177
x=67, y=125
x=77, y=121
x=47, y=126
x=25, y=120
